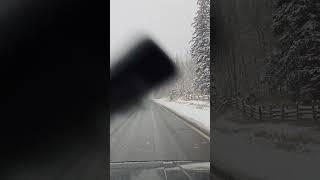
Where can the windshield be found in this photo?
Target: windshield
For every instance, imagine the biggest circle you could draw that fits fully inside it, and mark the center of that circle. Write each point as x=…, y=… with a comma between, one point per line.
x=165, y=134
x=172, y=123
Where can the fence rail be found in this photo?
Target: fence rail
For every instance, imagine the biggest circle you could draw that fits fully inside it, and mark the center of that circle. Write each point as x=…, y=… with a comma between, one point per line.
x=197, y=97
x=279, y=113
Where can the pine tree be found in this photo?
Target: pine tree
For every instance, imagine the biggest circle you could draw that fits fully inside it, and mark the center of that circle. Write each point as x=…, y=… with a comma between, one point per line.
x=295, y=64
x=200, y=48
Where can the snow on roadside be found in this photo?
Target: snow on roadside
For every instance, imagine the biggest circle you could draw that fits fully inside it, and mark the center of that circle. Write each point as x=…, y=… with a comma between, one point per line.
x=197, y=112
x=262, y=161
x=266, y=151
x=289, y=137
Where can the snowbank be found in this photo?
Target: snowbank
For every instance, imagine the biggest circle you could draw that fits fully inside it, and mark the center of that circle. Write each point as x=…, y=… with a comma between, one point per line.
x=281, y=135
x=266, y=151
x=237, y=155
x=196, y=112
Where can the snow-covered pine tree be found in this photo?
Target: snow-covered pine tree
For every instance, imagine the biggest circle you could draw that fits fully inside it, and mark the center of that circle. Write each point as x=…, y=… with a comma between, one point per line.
x=183, y=82
x=200, y=47
x=296, y=62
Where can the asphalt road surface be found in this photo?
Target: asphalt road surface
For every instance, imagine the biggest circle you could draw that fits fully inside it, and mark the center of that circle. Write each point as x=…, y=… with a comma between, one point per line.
x=151, y=132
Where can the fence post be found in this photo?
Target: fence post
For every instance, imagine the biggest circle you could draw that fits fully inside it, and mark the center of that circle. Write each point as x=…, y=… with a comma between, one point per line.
x=317, y=109
x=270, y=113
x=238, y=103
x=260, y=113
x=314, y=112
x=243, y=107
x=282, y=112
x=297, y=109
x=251, y=110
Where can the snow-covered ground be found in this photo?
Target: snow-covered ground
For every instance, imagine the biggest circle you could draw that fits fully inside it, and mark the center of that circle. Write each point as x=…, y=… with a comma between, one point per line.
x=256, y=150
x=196, y=112
x=266, y=151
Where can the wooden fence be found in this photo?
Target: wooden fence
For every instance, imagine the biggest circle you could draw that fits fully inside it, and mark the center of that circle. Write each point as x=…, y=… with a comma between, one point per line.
x=297, y=112
x=197, y=97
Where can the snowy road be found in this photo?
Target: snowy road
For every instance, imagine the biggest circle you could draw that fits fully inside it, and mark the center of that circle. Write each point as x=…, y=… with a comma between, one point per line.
x=150, y=132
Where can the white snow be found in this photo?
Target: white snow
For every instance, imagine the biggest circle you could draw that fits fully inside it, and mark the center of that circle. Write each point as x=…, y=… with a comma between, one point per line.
x=250, y=150
x=262, y=161
x=197, y=112
x=197, y=166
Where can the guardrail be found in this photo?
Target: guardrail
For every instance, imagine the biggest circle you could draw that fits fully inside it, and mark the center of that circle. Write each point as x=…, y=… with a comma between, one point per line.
x=279, y=113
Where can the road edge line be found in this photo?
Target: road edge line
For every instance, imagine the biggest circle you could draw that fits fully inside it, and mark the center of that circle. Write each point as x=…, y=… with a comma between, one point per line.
x=188, y=122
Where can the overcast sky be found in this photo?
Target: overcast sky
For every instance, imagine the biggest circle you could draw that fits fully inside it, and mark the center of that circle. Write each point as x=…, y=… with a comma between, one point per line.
x=167, y=21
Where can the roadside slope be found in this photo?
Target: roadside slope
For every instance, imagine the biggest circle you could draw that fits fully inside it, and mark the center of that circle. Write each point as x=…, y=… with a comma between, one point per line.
x=196, y=113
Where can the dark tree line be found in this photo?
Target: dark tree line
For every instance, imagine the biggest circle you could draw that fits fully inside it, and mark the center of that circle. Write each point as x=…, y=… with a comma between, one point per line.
x=294, y=66
x=243, y=40
x=267, y=48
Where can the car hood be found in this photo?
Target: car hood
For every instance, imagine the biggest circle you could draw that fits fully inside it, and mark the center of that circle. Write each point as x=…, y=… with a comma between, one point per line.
x=160, y=170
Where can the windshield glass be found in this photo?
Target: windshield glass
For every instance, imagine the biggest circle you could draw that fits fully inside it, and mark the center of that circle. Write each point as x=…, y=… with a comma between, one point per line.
x=172, y=123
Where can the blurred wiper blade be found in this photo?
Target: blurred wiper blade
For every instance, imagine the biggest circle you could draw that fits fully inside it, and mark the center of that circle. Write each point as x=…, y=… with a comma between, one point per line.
x=144, y=67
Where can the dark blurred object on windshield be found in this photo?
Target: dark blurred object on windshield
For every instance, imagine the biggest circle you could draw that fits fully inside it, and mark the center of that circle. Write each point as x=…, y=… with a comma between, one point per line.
x=144, y=67
x=53, y=89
